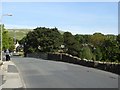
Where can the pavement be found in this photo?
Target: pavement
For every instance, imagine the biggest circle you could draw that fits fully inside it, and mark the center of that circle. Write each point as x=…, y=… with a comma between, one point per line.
x=9, y=76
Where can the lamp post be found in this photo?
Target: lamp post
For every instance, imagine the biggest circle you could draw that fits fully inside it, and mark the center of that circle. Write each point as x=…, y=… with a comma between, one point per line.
x=2, y=30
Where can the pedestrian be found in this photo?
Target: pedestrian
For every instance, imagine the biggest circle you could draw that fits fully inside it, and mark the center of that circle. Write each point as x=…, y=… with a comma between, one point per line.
x=7, y=53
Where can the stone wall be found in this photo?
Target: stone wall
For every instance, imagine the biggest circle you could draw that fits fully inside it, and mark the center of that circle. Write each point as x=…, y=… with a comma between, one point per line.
x=110, y=67
x=38, y=55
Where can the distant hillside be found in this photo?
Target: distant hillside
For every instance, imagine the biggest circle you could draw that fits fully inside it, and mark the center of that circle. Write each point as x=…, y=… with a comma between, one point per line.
x=20, y=33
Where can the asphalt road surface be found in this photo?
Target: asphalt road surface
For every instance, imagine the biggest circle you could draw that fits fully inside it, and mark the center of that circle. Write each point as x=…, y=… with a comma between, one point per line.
x=39, y=73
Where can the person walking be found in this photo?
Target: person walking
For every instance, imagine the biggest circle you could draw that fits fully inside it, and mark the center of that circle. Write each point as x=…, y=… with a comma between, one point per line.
x=7, y=53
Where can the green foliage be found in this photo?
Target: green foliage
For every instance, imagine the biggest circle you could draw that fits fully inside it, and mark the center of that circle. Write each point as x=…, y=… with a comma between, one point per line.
x=98, y=54
x=7, y=41
x=118, y=40
x=68, y=39
x=97, y=39
x=49, y=40
x=110, y=50
x=98, y=46
x=83, y=39
x=87, y=53
x=103, y=47
x=71, y=44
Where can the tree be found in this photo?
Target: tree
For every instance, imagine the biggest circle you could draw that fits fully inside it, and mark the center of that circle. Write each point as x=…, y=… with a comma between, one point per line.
x=118, y=43
x=83, y=39
x=49, y=40
x=71, y=44
x=98, y=54
x=7, y=41
x=87, y=53
x=97, y=39
x=110, y=50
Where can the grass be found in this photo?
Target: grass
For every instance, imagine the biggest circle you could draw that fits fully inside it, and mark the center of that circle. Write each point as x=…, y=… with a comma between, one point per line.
x=18, y=33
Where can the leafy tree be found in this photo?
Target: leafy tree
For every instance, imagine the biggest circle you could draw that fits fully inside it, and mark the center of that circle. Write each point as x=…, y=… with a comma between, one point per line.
x=111, y=37
x=7, y=41
x=68, y=39
x=87, y=53
x=43, y=39
x=97, y=39
x=92, y=47
x=118, y=42
x=71, y=44
x=110, y=50
x=98, y=54
x=83, y=39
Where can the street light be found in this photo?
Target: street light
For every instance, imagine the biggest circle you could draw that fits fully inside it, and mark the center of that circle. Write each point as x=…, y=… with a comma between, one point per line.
x=1, y=30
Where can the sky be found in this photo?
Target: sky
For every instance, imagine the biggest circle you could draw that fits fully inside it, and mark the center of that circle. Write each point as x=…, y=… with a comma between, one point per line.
x=75, y=17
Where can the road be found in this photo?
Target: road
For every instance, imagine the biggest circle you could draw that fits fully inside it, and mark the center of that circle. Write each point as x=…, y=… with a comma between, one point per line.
x=39, y=73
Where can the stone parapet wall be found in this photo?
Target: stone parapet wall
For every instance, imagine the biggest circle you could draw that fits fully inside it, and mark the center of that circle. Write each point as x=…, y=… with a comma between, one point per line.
x=106, y=66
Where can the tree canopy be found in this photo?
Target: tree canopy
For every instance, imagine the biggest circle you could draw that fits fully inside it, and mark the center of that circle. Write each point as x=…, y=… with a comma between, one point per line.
x=7, y=41
x=43, y=39
x=96, y=47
